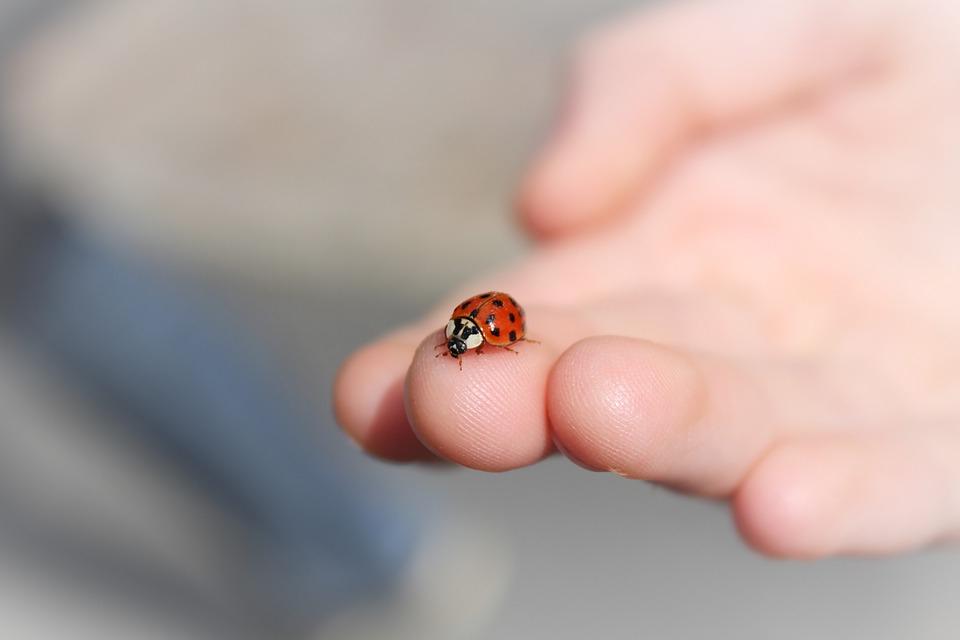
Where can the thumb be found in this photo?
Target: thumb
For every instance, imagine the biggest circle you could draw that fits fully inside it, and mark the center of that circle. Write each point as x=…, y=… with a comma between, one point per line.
x=643, y=86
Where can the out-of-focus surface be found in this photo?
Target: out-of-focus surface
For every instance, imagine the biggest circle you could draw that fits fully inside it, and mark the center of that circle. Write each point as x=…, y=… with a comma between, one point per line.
x=269, y=137
x=300, y=159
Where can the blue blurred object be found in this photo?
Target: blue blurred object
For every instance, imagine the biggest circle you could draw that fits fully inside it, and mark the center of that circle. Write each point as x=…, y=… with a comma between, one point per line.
x=188, y=379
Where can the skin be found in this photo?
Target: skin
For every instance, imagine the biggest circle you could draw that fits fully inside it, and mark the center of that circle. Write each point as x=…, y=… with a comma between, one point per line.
x=746, y=226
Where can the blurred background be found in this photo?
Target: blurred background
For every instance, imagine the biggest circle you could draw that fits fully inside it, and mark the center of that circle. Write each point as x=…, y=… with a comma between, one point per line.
x=204, y=207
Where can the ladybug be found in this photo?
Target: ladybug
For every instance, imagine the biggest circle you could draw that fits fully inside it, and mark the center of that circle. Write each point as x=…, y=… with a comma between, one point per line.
x=492, y=318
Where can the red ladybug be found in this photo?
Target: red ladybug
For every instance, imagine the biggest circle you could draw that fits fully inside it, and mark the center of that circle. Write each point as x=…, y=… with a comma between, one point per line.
x=490, y=318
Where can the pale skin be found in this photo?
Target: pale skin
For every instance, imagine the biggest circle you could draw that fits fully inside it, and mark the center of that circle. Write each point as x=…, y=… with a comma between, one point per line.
x=746, y=280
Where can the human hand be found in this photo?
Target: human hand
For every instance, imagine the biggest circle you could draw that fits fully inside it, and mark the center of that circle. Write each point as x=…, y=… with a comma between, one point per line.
x=745, y=285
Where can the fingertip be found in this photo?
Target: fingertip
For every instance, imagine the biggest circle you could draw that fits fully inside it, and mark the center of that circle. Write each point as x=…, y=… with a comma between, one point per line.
x=780, y=510
x=864, y=493
x=551, y=202
x=368, y=402
x=489, y=415
x=625, y=405
x=621, y=120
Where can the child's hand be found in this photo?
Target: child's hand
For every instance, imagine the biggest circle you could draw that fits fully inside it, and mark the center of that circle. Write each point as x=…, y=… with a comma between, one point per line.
x=749, y=281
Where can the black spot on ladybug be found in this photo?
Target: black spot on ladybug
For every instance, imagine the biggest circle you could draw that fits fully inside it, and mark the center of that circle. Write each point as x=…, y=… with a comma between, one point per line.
x=473, y=314
x=465, y=304
x=495, y=331
x=513, y=318
x=498, y=303
x=492, y=318
x=513, y=336
x=486, y=295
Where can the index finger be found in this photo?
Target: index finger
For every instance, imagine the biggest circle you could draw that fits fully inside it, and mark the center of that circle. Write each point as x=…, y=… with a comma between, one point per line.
x=445, y=405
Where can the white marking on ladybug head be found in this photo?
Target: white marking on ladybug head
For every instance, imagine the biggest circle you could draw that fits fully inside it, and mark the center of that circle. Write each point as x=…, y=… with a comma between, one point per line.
x=475, y=338
x=462, y=334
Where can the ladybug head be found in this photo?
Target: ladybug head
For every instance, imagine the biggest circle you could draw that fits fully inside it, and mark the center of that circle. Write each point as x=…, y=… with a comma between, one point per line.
x=456, y=347
x=462, y=334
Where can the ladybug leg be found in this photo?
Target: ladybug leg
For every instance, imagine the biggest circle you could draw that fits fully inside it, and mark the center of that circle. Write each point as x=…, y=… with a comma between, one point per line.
x=510, y=350
x=479, y=351
x=442, y=344
x=460, y=362
x=528, y=340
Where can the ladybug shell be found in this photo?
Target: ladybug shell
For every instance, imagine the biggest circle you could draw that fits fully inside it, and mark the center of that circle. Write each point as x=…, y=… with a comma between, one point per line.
x=500, y=318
